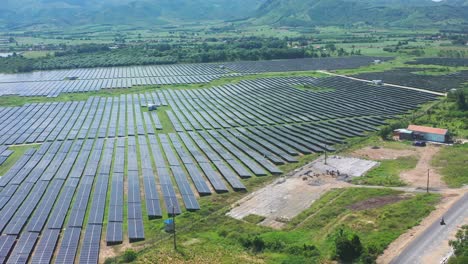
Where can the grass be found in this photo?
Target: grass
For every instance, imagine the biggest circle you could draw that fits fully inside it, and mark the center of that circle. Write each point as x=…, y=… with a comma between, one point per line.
x=209, y=236
x=452, y=162
x=17, y=154
x=164, y=119
x=37, y=54
x=254, y=219
x=388, y=172
x=445, y=115
x=376, y=226
x=374, y=140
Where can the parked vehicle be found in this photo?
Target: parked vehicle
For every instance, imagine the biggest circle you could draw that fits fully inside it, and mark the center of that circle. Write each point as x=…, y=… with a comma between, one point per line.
x=419, y=143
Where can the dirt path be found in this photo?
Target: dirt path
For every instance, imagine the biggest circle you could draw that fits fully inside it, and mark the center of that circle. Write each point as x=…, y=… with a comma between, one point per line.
x=417, y=177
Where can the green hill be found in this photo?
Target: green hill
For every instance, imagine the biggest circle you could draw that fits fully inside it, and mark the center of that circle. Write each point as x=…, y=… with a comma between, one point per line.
x=14, y=13
x=398, y=13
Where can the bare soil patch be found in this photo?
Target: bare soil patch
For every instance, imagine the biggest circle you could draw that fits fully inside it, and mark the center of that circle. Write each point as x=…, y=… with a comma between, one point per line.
x=377, y=202
x=417, y=177
x=384, y=153
x=285, y=198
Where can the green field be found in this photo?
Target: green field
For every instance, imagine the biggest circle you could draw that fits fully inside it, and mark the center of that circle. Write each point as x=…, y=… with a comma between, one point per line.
x=308, y=238
x=453, y=165
x=388, y=172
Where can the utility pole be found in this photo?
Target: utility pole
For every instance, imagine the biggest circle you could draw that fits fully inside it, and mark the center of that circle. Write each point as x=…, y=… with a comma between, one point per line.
x=173, y=222
x=427, y=188
x=325, y=157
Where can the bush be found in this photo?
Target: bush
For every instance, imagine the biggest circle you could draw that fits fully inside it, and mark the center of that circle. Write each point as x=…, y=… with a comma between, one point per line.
x=258, y=244
x=129, y=255
x=347, y=250
x=460, y=244
x=387, y=130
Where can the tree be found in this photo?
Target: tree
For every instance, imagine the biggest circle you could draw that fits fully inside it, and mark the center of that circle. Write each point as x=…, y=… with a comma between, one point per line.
x=461, y=100
x=129, y=255
x=460, y=244
x=347, y=249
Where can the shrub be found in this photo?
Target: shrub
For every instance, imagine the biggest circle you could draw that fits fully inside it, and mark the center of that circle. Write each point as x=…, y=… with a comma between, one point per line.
x=129, y=255
x=347, y=250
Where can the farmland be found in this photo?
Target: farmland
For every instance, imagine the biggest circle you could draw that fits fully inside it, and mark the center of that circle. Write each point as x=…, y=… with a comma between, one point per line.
x=102, y=172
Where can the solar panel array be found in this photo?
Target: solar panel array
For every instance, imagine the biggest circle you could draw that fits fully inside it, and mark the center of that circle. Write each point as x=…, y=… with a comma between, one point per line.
x=54, y=199
x=5, y=153
x=54, y=83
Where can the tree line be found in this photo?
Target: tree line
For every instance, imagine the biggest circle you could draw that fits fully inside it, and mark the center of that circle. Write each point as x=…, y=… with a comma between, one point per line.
x=99, y=55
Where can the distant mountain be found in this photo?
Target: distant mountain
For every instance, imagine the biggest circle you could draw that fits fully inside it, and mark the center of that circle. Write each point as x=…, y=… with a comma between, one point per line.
x=132, y=12
x=404, y=13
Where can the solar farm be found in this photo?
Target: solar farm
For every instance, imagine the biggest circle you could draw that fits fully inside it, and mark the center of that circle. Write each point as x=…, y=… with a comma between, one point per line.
x=413, y=77
x=96, y=169
x=54, y=83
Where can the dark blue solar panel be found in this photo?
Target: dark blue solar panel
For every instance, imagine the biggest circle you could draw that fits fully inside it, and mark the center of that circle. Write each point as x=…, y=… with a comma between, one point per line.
x=46, y=246
x=135, y=230
x=115, y=213
x=114, y=234
x=23, y=248
x=67, y=250
x=6, y=244
x=90, y=248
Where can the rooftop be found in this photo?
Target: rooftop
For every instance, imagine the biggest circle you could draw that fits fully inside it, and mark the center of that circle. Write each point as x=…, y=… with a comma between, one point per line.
x=432, y=130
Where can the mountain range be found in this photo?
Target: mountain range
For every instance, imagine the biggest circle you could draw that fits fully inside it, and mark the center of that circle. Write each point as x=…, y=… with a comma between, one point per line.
x=400, y=13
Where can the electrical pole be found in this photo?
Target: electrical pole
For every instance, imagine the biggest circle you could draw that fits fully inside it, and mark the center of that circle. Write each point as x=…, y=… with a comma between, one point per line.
x=427, y=188
x=173, y=222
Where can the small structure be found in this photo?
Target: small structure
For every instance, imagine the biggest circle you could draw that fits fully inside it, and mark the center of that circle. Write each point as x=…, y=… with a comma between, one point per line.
x=377, y=61
x=152, y=107
x=429, y=133
x=377, y=82
x=169, y=225
x=403, y=134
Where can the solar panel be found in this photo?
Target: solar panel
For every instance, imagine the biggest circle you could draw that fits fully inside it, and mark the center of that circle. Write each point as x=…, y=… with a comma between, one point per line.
x=114, y=234
x=6, y=244
x=89, y=252
x=135, y=230
x=46, y=246
x=23, y=248
x=69, y=246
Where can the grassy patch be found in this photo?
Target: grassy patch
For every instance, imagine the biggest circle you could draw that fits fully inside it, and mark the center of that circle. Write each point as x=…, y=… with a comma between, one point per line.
x=37, y=54
x=453, y=164
x=164, y=119
x=254, y=219
x=446, y=115
x=437, y=71
x=377, y=227
x=17, y=154
x=388, y=173
x=209, y=236
x=375, y=141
